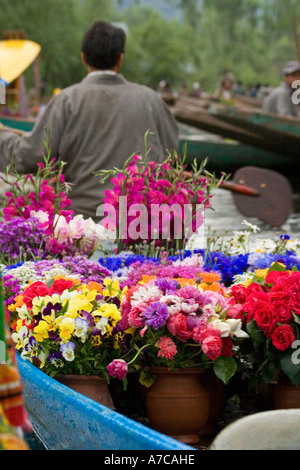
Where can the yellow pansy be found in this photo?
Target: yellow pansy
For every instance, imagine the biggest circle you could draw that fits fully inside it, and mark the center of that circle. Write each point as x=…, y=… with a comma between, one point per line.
x=112, y=287
x=66, y=328
x=41, y=331
x=109, y=311
x=79, y=303
x=96, y=340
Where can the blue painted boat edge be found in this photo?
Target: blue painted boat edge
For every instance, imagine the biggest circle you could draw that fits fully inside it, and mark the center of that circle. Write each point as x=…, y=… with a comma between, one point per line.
x=56, y=411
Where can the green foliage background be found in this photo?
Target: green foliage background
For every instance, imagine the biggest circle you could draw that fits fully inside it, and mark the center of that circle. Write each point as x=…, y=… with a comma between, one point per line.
x=252, y=38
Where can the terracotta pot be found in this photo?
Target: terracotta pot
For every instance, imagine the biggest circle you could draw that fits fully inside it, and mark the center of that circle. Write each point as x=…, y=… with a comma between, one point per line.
x=216, y=389
x=285, y=395
x=91, y=386
x=178, y=403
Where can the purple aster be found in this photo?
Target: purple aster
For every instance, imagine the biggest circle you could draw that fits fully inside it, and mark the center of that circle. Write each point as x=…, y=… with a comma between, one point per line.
x=156, y=315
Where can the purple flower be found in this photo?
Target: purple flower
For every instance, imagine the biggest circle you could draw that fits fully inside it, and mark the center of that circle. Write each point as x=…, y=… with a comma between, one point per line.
x=167, y=286
x=56, y=359
x=50, y=307
x=156, y=315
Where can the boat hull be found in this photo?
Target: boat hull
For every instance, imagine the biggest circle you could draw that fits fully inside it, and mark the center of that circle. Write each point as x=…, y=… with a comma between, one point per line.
x=66, y=420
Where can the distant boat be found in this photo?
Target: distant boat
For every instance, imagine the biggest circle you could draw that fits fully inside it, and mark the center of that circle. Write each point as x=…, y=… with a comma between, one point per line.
x=66, y=420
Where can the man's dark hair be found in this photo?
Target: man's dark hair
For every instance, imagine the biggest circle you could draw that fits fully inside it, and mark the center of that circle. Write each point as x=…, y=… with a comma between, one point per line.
x=102, y=45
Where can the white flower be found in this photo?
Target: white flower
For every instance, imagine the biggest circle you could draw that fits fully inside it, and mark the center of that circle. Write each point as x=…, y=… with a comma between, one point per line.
x=20, y=337
x=236, y=328
x=67, y=350
x=40, y=215
x=172, y=302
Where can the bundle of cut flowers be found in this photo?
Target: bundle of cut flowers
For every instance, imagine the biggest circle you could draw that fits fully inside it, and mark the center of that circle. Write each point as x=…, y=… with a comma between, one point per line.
x=38, y=221
x=68, y=327
x=17, y=278
x=179, y=325
x=156, y=205
x=268, y=304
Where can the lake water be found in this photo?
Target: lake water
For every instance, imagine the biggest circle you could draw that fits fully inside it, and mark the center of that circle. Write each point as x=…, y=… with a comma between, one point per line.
x=225, y=218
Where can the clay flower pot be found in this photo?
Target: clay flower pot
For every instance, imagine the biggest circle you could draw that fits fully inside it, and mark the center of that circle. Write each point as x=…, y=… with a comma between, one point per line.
x=91, y=386
x=285, y=395
x=178, y=403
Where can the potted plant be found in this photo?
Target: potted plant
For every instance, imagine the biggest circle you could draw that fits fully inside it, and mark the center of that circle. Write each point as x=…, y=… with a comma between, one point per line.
x=180, y=330
x=70, y=330
x=268, y=303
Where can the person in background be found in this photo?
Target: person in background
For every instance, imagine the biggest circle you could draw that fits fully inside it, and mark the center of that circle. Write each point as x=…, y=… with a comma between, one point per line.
x=279, y=100
x=95, y=124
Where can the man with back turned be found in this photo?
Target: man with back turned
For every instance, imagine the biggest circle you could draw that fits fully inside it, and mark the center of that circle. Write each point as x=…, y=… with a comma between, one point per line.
x=95, y=124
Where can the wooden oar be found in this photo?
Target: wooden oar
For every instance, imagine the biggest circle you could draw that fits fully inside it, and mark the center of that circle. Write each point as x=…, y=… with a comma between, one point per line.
x=274, y=204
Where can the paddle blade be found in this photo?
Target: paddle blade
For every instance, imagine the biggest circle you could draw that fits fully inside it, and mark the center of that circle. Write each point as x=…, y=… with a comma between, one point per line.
x=274, y=203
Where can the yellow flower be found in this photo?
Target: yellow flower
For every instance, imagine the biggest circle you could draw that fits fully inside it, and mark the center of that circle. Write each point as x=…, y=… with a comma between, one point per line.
x=41, y=331
x=66, y=327
x=261, y=273
x=112, y=287
x=90, y=294
x=109, y=311
x=96, y=340
x=79, y=303
x=146, y=380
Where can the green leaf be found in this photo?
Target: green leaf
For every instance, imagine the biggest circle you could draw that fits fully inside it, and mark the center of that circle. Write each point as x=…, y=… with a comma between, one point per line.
x=277, y=267
x=289, y=367
x=255, y=332
x=225, y=368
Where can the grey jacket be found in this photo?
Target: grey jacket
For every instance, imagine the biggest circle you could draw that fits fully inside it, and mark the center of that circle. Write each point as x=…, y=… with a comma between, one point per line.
x=95, y=124
x=280, y=102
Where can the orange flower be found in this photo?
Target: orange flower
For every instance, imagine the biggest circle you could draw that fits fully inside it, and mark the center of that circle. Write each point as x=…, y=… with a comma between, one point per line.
x=17, y=303
x=95, y=286
x=209, y=278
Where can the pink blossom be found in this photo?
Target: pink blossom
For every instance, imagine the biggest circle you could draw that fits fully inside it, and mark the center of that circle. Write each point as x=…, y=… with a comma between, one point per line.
x=118, y=368
x=167, y=347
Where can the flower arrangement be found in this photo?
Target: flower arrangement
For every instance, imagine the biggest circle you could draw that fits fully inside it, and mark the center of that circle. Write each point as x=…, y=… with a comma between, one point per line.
x=38, y=221
x=178, y=324
x=268, y=303
x=148, y=185
x=68, y=327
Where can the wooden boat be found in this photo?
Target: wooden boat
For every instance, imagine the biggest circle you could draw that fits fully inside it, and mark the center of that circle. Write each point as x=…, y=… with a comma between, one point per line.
x=66, y=420
x=280, y=134
x=203, y=142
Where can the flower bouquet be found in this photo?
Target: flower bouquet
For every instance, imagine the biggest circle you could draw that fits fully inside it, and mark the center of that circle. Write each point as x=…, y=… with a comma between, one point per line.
x=156, y=206
x=177, y=324
x=68, y=327
x=38, y=221
x=268, y=303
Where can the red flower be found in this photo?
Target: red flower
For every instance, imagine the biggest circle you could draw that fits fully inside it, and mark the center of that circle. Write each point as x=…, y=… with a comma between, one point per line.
x=265, y=316
x=177, y=326
x=283, y=337
x=282, y=310
x=227, y=347
x=212, y=347
x=36, y=289
x=60, y=285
